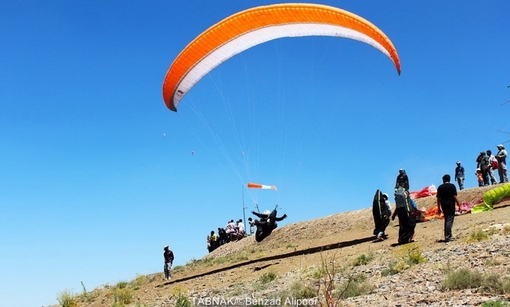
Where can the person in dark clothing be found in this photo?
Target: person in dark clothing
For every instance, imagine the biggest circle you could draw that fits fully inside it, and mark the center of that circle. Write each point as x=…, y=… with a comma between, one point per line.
x=460, y=175
x=502, y=168
x=482, y=162
x=381, y=212
x=446, y=203
x=222, y=236
x=168, y=255
x=266, y=223
x=213, y=240
x=403, y=210
x=402, y=180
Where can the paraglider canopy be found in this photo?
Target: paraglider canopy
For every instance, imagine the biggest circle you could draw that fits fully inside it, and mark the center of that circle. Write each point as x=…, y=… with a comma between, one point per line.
x=254, y=26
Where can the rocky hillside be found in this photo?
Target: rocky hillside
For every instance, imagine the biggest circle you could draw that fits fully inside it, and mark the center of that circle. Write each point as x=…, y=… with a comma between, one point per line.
x=336, y=257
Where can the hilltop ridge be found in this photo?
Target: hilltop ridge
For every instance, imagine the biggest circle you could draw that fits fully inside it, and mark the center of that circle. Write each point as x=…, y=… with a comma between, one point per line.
x=293, y=252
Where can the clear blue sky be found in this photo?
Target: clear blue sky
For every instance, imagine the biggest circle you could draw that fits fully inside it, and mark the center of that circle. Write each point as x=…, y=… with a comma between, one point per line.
x=97, y=175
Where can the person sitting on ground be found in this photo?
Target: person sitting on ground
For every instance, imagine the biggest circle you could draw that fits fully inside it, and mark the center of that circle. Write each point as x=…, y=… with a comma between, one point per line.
x=231, y=230
x=240, y=227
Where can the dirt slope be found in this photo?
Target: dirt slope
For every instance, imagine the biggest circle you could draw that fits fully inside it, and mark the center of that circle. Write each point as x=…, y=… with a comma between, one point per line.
x=347, y=235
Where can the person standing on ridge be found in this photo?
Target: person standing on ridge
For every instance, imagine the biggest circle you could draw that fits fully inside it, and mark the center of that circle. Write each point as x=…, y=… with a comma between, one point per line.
x=482, y=163
x=169, y=259
x=479, y=177
x=381, y=211
x=493, y=164
x=446, y=202
x=404, y=210
x=502, y=170
x=402, y=180
x=460, y=175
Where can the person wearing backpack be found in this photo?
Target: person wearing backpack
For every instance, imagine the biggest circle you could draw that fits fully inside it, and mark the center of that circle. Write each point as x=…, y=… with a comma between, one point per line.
x=446, y=202
x=381, y=212
x=404, y=210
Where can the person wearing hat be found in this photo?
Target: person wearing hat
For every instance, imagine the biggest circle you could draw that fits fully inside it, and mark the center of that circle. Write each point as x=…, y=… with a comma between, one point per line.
x=169, y=259
x=402, y=180
x=460, y=175
x=502, y=169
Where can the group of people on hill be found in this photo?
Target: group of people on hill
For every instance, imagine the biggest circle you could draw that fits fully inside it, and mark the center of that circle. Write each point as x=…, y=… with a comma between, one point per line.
x=407, y=211
x=486, y=165
x=446, y=197
x=405, y=207
x=264, y=225
x=233, y=231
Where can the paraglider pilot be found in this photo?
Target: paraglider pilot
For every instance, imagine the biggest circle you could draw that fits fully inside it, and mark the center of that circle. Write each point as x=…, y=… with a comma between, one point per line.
x=266, y=223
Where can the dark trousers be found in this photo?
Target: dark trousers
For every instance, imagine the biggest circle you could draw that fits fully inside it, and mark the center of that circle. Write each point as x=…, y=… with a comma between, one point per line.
x=381, y=224
x=166, y=269
x=448, y=224
x=406, y=226
x=485, y=175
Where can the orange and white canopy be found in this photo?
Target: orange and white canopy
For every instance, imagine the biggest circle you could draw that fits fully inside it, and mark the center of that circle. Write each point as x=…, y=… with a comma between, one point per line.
x=254, y=26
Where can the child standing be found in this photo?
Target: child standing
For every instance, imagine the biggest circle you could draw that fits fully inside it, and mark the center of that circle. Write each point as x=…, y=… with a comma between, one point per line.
x=479, y=176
